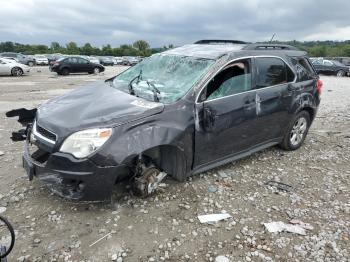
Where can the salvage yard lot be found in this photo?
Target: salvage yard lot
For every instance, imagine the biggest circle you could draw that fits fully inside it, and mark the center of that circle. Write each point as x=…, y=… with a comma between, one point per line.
x=165, y=226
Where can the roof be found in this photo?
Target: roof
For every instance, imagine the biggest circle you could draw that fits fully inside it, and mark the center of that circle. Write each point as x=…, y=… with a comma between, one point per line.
x=214, y=49
x=205, y=50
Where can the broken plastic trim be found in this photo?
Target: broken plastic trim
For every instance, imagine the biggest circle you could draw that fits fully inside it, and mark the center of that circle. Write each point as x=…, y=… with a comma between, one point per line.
x=25, y=118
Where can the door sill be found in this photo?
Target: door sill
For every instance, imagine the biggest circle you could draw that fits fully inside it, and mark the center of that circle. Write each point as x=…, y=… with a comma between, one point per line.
x=234, y=157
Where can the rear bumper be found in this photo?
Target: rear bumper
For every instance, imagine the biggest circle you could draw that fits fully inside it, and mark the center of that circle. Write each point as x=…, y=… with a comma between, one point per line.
x=70, y=178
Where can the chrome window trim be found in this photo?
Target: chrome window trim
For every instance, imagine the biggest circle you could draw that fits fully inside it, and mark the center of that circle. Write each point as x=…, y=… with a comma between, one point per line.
x=242, y=58
x=35, y=132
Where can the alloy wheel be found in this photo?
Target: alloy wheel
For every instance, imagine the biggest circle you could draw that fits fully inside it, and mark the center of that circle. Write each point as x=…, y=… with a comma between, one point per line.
x=298, y=132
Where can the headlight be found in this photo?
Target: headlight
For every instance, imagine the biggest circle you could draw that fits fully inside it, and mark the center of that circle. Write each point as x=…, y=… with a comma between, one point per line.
x=83, y=143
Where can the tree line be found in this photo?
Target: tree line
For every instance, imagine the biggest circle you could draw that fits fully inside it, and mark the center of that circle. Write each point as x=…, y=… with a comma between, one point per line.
x=322, y=48
x=138, y=48
x=142, y=48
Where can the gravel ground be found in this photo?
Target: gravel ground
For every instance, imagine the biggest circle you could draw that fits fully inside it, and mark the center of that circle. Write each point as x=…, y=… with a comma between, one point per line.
x=165, y=226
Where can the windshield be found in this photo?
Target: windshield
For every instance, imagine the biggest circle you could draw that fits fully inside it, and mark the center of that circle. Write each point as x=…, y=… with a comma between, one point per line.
x=171, y=75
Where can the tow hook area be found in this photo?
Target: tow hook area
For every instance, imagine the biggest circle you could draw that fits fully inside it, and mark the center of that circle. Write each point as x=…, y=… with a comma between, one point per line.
x=147, y=182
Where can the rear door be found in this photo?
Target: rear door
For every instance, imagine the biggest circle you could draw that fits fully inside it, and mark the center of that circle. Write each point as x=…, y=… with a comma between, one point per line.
x=275, y=88
x=225, y=114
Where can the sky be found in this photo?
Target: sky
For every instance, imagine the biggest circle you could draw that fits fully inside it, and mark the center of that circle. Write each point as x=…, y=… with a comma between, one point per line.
x=163, y=22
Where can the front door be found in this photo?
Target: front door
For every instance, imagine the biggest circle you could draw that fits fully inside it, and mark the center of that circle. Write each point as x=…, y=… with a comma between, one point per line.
x=225, y=115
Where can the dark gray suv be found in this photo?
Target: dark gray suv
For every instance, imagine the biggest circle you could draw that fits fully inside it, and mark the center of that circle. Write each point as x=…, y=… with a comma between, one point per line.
x=23, y=59
x=180, y=112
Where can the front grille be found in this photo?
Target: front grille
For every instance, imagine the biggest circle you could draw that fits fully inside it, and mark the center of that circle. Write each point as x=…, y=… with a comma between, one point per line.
x=45, y=133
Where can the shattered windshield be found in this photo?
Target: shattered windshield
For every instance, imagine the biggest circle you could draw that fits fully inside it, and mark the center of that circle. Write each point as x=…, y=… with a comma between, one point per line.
x=163, y=78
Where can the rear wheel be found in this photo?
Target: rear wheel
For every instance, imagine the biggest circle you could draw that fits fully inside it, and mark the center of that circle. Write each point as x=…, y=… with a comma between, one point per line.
x=65, y=71
x=297, y=131
x=340, y=73
x=16, y=71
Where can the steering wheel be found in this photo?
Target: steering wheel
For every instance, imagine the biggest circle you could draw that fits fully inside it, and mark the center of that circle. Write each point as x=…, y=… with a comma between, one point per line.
x=12, y=232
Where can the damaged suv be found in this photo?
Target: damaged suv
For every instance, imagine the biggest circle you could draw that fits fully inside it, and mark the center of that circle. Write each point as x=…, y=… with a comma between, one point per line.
x=180, y=112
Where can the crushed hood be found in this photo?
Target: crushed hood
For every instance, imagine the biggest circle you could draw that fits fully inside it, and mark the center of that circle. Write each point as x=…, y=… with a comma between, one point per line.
x=95, y=105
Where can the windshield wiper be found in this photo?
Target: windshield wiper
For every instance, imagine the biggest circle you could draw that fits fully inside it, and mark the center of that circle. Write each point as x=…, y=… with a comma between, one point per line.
x=138, y=78
x=155, y=91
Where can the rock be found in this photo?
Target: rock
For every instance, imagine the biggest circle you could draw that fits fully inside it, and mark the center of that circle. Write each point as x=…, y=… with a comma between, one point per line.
x=37, y=241
x=2, y=209
x=2, y=153
x=221, y=259
x=114, y=257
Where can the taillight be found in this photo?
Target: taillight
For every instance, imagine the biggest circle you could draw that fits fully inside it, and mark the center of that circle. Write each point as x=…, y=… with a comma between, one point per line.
x=319, y=86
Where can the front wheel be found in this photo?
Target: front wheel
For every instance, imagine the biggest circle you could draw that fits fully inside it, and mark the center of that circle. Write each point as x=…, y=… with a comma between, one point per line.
x=16, y=71
x=296, y=132
x=65, y=71
x=340, y=73
x=96, y=70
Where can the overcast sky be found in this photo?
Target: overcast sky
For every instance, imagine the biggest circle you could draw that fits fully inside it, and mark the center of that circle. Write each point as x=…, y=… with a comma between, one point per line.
x=176, y=22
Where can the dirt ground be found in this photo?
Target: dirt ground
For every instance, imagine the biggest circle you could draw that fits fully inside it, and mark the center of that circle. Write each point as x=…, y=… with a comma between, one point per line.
x=165, y=226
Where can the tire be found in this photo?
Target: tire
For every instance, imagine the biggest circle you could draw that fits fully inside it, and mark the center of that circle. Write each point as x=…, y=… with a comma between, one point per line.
x=16, y=71
x=96, y=70
x=340, y=73
x=65, y=71
x=296, y=132
x=30, y=63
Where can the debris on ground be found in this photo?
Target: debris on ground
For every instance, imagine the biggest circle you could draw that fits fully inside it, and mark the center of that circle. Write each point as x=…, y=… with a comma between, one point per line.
x=297, y=227
x=212, y=218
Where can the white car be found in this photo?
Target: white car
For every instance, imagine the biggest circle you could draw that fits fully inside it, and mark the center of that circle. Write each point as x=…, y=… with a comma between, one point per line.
x=11, y=67
x=94, y=60
x=41, y=60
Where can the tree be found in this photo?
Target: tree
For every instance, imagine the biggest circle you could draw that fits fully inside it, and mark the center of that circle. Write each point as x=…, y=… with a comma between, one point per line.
x=72, y=48
x=55, y=47
x=87, y=49
x=143, y=47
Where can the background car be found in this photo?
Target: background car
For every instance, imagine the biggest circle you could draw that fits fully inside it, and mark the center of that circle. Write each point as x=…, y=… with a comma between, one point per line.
x=119, y=60
x=41, y=60
x=330, y=67
x=75, y=64
x=23, y=59
x=94, y=60
x=130, y=60
x=106, y=61
x=11, y=67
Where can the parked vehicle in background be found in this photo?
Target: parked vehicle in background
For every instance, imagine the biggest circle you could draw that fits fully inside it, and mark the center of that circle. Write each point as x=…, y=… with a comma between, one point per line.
x=54, y=57
x=119, y=60
x=41, y=60
x=130, y=60
x=330, y=67
x=93, y=59
x=343, y=60
x=106, y=61
x=11, y=67
x=181, y=112
x=23, y=59
x=75, y=64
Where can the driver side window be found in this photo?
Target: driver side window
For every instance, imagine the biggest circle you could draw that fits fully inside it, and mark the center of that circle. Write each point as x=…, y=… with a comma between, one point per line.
x=235, y=78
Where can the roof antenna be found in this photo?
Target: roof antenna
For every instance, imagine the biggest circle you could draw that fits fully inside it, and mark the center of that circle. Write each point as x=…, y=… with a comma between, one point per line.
x=272, y=37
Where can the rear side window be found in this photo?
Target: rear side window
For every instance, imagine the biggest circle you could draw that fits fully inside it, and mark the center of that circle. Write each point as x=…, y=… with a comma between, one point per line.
x=272, y=71
x=303, y=68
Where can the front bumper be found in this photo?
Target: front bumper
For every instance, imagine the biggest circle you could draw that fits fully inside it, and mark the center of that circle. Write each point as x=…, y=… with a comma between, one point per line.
x=71, y=178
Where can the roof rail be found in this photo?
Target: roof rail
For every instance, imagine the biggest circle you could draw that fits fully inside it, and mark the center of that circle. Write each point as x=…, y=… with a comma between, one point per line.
x=218, y=42
x=270, y=47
